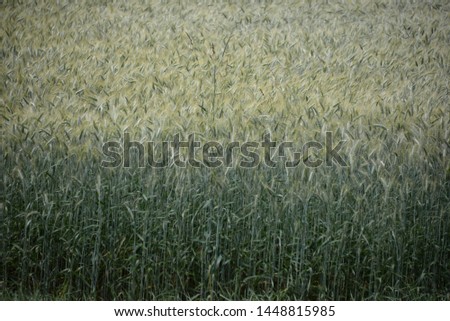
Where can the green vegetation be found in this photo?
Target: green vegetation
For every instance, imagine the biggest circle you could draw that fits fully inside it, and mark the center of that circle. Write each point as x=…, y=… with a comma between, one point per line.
x=77, y=74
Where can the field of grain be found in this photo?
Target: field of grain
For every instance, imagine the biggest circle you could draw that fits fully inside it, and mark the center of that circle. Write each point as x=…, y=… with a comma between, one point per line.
x=78, y=74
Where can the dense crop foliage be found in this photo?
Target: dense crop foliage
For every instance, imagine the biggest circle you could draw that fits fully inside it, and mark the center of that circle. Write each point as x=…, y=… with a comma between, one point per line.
x=76, y=74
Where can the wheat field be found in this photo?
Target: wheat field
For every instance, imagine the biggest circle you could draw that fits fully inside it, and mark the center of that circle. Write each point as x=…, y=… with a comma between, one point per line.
x=78, y=74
